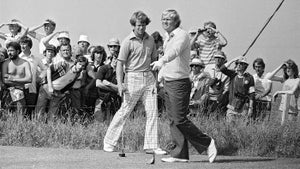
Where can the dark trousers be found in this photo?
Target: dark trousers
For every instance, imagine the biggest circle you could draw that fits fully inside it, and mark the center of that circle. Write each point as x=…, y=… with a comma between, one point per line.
x=177, y=94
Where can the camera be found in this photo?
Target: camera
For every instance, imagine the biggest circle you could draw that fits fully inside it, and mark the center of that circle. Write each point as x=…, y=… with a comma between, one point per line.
x=201, y=30
x=217, y=83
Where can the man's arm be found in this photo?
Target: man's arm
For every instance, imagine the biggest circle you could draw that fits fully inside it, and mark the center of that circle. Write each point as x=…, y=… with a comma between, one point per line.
x=119, y=73
x=32, y=32
x=222, y=40
x=24, y=33
x=251, y=96
x=47, y=39
x=272, y=76
x=49, y=80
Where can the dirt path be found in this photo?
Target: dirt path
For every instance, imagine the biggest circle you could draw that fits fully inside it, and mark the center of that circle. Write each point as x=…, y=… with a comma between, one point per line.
x=46, y=158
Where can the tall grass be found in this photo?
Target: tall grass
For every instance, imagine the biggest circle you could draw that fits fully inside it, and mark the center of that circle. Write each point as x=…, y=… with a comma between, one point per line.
x=267, y=138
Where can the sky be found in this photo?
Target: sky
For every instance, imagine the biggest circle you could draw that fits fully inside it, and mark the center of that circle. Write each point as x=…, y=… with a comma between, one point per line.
x=238, y=20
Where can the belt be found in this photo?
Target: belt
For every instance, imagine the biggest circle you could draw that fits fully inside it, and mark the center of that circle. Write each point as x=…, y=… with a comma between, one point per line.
x=140, y=73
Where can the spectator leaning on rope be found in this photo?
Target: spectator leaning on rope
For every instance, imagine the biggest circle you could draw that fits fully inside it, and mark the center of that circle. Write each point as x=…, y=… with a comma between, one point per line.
x=241, y=90
x=291, y=82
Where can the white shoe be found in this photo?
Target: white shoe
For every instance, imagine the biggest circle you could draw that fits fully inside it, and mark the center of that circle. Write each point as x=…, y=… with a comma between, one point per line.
x=108, y=148
x=173, y=160
x=212, y=151
x=157, y=151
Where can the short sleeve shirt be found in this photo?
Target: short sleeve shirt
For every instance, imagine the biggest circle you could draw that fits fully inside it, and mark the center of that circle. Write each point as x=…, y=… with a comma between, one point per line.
x=137, y=54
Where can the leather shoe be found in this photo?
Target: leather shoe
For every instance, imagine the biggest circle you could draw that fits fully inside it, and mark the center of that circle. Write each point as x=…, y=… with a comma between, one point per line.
x=212, y=151
x=173, y=160
x=108, y=148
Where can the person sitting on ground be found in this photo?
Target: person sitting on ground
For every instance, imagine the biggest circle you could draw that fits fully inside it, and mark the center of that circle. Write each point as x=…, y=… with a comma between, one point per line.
x=218, y=86
x=15, y=74
x=263, y=87
x=15, y=28
x=209, y=42
x=241, y=91
x=290, y=89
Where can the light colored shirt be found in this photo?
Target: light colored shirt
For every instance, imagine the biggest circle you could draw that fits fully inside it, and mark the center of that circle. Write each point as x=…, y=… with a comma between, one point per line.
x=137, y=54
x=36, y=65
x=207, y=48
x=289, y=84
x=261, y=85
x=176, y=56
x=215, y=73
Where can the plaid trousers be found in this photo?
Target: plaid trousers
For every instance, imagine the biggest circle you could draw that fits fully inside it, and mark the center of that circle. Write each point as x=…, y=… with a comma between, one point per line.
x=140, y=85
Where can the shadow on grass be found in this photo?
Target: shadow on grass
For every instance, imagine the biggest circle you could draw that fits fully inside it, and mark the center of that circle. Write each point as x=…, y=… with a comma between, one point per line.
x=238, y=160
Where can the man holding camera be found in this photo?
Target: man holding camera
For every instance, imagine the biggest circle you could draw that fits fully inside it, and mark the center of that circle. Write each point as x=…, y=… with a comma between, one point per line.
x=210, y=41
x=241, y=90
x=218, y=85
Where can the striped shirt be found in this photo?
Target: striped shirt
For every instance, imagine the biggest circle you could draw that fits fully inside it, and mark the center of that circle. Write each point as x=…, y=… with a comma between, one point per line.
x=207, y=48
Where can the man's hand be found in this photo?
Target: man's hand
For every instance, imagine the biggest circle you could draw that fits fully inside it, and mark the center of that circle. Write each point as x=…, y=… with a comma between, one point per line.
x=105, y=82
x=275, y=96
x=51, y=90
x=156, y=65
x=258, y=97
x=121, y=89
x=250, y=111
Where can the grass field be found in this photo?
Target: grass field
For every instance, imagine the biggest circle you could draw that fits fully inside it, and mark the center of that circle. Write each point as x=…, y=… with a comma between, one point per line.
x=268, y=138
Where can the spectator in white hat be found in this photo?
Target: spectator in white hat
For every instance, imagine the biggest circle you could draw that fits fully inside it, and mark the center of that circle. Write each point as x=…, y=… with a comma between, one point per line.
x=218, y=86
x=83, y=44
x=15, y=28
x=199, y=80
x=241, y=90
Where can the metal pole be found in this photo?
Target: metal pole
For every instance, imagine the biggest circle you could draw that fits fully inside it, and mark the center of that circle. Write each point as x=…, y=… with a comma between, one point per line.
x=268, y=20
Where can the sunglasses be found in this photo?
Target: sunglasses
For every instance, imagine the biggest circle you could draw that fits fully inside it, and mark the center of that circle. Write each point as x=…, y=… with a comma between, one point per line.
x=197, y=66
x=113, y=46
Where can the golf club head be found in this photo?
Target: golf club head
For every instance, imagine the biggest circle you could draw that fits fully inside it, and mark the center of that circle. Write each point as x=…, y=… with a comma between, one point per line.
x=122, y=153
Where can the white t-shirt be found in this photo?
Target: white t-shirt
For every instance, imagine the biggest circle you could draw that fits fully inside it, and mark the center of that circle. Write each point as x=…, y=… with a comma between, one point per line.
x=261, y=85
x=35, y=65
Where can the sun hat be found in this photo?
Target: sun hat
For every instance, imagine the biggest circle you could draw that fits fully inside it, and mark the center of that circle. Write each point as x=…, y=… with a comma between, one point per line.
x=197, y=61
x=113, y=42
x=83, y=38
x=63, y=35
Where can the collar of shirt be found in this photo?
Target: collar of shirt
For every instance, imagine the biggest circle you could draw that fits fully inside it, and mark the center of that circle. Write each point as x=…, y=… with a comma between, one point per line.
x=132, y=36
x=30, y=57
x=172, y=34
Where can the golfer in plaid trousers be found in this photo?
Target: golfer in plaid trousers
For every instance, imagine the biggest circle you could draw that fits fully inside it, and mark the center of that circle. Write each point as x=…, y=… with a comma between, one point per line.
x=136, y=54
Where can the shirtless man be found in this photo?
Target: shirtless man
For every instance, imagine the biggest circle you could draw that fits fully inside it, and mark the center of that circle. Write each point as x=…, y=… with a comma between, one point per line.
x=15, y=73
